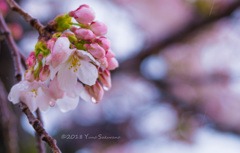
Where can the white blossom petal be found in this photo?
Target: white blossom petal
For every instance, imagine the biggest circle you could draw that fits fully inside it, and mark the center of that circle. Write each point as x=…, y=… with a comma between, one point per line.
x=54, y=89
x=67, y=103
x=33, y=94
x=76, y=92
x=85, y=56
x=61, y=51
x=29, y=101
x=66, y=78
x=53, y=71
x=87, y=73
x=43, y=98
x=85, y=96
x=14, y=95
x=17, y=90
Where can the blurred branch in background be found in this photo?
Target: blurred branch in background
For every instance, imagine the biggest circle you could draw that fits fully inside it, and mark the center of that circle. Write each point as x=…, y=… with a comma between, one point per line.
x=166, y=86
x=134, y=62
x=8, y=123
x=194, y=109
x=32, y=21
x=13, y=47
x=182, y=89
x=17, y=63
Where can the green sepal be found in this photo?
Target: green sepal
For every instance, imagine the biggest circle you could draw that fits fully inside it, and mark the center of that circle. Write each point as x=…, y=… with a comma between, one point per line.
x=57, y=35
x=37, y=70
x=41, y=47
x=63, y=22
x=79, y=44
x=72, y=38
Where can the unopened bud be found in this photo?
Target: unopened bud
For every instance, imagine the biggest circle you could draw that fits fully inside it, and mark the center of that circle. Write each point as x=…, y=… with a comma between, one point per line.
x=84, y=14
x=83, y=33
x=29, y=75
x=31, y=60
x=105, y=79
x=96, y=50
x=98, y=28
x=44, y=73
x=96, y=92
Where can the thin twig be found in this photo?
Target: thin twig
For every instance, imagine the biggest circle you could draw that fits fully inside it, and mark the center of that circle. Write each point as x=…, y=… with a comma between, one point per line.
x=39, y=144
x=36, y=124
x=32, y=21
x=14, y=49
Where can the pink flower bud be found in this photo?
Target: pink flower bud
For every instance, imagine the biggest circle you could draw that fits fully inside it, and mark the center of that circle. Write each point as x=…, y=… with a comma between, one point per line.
x=105, y=79
x=50, y=43
x=103, y=63
x=83, y=33
x=31, y=60
x=29, y=75
x=84, y=14
x=112, y=63
x=98, y=28
x=96, y=50
x=104, y=43
x=96, y=92
x=40, y=56
x=110, y=54
x=44, y=73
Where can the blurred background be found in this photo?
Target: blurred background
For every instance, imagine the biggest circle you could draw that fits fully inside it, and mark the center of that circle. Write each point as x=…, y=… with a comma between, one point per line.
x=177, y=89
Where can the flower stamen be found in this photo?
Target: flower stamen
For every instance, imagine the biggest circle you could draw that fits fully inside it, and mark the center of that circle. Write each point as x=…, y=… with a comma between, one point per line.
x=75, y=63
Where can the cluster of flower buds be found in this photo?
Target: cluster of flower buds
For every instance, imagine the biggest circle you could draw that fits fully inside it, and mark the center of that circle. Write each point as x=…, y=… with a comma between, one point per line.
x=69, y=65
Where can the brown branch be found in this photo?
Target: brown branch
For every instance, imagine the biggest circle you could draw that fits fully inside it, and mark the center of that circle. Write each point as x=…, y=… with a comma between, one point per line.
x=15, y=51
x=134, y=62
x=36, y=124
x=193, y=109
x=32, y=21
x=8, y=122
x=39, y=144
x=23, y=61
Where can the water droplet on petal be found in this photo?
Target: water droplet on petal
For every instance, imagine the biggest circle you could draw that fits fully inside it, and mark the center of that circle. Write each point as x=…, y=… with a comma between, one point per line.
x=94, y=100
x=52, y=103
x=105, y=88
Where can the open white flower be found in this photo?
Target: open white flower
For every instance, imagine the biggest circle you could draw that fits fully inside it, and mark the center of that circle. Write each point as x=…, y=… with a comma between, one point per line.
x=78, y=64
x=66, y=101
x=33, y=94
x=59, y=51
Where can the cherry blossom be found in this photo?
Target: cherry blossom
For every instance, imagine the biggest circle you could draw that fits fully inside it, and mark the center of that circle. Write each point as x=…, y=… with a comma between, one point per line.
x=60, y=51
x=33, y=94
x=77, y=64
x=98, y=28
x=82, y=33
x=95, y=49
x=112, y=62
x=84, y=14
x=93, y=93
x=31, y=60
x=105, y=79
x=70, y=65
